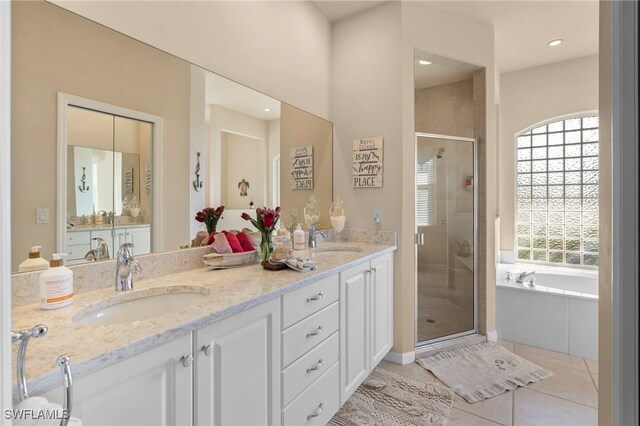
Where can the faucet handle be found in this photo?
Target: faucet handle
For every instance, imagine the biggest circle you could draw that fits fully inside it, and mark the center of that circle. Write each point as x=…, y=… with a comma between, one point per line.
x=125, y=250
x=134, y=266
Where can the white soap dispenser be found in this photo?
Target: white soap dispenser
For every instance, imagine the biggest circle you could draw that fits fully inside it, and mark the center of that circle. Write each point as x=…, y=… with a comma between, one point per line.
x=56, y=284
x=298, y=239
x=34, y=262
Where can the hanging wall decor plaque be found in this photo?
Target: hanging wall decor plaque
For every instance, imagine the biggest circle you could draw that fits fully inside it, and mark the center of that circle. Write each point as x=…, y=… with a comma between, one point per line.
x=367, y=162
x=302, y=167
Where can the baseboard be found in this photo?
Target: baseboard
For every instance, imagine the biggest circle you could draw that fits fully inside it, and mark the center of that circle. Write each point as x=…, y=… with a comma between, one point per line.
x=492, y=336
x=400, y=358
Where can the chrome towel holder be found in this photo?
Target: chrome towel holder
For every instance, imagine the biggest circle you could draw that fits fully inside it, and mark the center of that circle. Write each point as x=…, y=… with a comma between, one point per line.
x=63, y=362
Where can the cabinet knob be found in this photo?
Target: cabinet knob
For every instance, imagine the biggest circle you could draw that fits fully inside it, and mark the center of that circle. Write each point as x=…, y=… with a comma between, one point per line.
x=317, y=412
x=187, y=360
x=315, y=332
x=373, y=269
x=207, y=349
x=316, y=297
x=315, y=367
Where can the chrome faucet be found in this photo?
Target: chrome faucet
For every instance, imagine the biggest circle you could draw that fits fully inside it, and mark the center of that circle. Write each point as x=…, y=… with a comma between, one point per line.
x=99, y=253
x=126, y=266
x=521, y=276
x=312, y=235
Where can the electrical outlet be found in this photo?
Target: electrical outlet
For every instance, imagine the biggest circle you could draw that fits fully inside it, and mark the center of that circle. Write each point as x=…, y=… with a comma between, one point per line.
x=377, y=217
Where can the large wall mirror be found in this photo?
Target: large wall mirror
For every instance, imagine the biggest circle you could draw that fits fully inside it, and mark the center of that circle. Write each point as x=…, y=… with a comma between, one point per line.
x=114, y=140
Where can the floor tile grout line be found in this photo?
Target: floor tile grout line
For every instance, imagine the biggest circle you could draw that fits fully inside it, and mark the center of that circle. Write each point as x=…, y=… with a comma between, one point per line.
x=477, y=415
x=559, y=397
x=594, y=383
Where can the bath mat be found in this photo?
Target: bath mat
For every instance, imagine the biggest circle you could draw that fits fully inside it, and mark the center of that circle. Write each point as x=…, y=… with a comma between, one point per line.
x=482, y=371
x=389, y=399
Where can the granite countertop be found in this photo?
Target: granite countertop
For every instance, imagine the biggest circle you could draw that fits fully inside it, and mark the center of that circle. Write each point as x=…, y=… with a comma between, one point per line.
x=230, y=291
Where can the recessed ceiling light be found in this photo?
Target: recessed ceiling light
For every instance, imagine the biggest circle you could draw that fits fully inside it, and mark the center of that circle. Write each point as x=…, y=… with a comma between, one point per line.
x=423, y=62
x=267, y=110
x=555, y=42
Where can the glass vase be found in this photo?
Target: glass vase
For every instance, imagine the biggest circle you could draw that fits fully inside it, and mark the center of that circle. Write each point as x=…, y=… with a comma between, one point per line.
x=266, y=246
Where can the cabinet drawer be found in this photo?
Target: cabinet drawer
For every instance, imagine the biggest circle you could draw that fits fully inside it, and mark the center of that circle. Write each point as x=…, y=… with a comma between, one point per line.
x=317, y=404
x=298, y=339
x=77, y=251
x=299, y=375
x=305, y=301
x=80, y=237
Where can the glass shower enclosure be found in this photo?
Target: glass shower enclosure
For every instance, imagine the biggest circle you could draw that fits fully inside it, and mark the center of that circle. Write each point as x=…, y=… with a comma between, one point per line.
x=445, y=237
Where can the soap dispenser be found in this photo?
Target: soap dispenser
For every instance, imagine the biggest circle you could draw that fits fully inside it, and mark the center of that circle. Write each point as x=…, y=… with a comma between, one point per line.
x=298, y=239
x=34, y=262
x=56, y=284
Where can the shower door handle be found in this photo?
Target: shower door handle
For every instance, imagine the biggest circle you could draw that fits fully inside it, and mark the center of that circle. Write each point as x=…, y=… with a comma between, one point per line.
x=420, y=239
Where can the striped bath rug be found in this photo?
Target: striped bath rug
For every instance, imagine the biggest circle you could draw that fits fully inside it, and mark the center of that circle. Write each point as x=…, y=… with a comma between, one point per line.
x=389, y=399
x=482, y=371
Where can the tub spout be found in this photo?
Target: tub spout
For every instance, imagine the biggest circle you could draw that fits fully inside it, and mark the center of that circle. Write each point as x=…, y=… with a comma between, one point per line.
x=521, y=276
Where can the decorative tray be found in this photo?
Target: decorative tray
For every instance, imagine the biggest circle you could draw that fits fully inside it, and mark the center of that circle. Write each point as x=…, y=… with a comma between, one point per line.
x=230, y=260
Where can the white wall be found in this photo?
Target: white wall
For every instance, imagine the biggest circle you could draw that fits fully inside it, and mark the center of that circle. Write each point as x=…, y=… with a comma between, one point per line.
x=281, y=48
x=528, y=97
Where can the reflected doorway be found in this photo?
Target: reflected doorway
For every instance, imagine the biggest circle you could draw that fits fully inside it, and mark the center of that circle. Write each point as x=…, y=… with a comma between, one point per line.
x=445, y=237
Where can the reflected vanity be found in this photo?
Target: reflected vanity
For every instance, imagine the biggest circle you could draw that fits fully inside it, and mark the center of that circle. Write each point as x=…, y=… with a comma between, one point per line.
x=130, y=139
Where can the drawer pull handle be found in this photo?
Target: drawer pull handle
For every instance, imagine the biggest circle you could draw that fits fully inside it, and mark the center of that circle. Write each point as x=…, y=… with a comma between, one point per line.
x=208, y=349
x=317, y=412
x=187, y=360
x=316, y=297
x=315, y=367
x=315, y=332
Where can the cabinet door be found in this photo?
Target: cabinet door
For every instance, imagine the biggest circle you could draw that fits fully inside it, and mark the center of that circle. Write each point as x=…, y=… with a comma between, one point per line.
x=141, y=239
x=354, y=329
x=238, y=369
x=381, y=307
x=153, y=388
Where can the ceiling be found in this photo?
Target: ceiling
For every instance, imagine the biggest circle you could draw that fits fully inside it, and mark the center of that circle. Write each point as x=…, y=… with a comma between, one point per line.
x=522, y=27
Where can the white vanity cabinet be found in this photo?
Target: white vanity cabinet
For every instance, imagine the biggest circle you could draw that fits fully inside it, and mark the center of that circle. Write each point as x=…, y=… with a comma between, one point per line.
x=140, y=237
x=237, y=376
x=79, y=242
x=152, y=388
x=366, y=320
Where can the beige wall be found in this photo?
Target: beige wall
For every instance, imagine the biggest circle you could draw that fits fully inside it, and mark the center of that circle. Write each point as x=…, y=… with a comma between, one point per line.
x=372, y=95
x=46, y=40
x=531, y=96
x=299, y=128
x=446, y=109
x=281, y=48
x=241, y=160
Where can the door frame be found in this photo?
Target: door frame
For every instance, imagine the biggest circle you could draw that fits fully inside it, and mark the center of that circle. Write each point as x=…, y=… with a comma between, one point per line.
x=424, y=344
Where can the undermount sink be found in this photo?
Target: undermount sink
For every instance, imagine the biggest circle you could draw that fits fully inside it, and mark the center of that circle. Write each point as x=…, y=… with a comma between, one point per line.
x=140, y=305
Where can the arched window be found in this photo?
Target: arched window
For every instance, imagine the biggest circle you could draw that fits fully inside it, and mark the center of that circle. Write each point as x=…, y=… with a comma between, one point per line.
x=557, y=192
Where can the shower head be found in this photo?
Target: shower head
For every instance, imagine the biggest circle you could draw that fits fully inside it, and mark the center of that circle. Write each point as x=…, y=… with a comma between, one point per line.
x=440, y=152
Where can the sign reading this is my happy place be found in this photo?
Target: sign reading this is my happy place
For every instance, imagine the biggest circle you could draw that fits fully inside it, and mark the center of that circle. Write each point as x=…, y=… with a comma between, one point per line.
x=367, y=162
x=302, y=167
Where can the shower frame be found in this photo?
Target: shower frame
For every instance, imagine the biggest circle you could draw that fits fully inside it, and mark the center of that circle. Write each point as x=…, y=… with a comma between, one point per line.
x=421, y=345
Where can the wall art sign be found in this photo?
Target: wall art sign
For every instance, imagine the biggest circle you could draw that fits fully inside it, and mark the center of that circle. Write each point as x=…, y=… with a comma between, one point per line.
x=128, y=180
x=367, y=162
x=302, y=167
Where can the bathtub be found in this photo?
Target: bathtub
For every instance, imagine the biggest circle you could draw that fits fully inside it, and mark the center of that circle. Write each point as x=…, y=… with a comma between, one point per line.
x=559, y=312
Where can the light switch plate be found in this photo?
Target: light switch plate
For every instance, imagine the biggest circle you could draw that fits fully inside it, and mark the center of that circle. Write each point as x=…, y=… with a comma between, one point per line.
x=42, y=215
x=377, y=217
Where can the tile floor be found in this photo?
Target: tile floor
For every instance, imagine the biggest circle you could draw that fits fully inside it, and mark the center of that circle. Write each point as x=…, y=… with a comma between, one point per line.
x=568, y=398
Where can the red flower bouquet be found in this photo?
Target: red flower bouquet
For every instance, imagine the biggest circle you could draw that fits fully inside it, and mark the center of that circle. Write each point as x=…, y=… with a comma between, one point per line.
x=265, y=221
x=210, y=216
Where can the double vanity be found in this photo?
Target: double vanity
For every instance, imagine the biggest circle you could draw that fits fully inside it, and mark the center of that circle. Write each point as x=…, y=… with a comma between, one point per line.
x=235, y=346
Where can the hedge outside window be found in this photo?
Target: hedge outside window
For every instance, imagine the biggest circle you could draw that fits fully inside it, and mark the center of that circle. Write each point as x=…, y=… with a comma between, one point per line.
x=557, y=192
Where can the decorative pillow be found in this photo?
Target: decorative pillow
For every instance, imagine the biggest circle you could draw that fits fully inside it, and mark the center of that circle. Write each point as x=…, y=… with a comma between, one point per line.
x=221, y=245
x=233, y=242
x=245, y=242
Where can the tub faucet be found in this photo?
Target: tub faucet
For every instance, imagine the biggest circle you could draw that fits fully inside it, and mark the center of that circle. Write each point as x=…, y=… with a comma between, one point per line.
x=126, y=266
x=521, y=276
x=312, y=235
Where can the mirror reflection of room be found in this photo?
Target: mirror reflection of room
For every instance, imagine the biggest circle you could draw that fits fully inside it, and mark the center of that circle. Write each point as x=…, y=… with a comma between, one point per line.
x=107, y=201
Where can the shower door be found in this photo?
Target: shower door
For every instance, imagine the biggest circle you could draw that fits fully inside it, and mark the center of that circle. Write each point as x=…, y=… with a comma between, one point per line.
x=445, y=237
